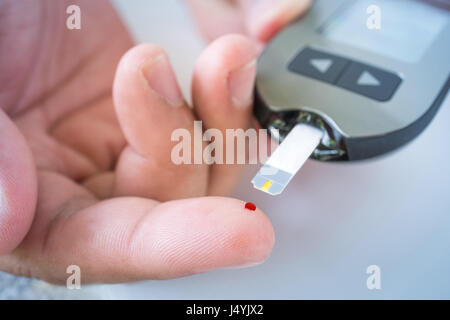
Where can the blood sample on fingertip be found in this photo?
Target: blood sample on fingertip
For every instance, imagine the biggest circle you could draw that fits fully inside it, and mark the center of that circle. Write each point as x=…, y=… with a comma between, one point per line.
x=250, y=206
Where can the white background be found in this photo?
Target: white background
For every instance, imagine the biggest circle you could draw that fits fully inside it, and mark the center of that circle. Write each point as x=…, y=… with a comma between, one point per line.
x=333, y=220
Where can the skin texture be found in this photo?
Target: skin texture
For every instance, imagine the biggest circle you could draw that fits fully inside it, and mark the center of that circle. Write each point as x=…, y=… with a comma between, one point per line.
x=85, y=170
x=260, y=20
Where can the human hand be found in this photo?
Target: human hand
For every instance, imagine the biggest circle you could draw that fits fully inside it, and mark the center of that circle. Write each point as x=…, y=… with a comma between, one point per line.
x=258, y=19
x=85, y=171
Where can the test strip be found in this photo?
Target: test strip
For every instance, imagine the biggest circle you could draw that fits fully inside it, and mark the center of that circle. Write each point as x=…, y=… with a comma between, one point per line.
x=287, y=159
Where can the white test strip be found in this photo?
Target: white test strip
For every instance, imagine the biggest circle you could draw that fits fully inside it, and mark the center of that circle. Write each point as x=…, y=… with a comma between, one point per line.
x=287, y=159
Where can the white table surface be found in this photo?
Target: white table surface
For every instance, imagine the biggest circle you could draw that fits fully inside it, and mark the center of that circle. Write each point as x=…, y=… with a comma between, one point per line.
x=334, y=220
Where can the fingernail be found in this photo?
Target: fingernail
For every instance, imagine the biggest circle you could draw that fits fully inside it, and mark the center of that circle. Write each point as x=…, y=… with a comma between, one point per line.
x=241, y=83
x=160, y=77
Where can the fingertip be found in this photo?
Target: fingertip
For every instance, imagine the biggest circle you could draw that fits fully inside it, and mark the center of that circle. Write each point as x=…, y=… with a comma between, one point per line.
x=210, y=233
x=128, y=90
x=254, y=238
x=18, y=186
x=223, y=82
x=251, y=233
x=145, y=90
x=266, y=19
x=145, y=70
x=216, y=18
x=231, y=51
x=135, y=57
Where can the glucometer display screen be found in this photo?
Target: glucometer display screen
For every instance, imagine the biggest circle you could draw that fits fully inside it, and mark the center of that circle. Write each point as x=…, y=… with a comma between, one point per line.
x=406, y=28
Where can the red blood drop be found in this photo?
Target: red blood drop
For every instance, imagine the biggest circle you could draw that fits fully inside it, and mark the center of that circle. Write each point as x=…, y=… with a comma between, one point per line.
x=250, y=206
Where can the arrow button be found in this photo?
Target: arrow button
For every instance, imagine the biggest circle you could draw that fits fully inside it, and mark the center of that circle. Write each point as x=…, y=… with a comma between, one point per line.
x=367, y=79
x=323, y=65
x=319, y=65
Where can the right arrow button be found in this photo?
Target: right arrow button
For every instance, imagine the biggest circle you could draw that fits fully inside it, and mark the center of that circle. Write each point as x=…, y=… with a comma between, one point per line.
x=370, y=81
x=367, y=79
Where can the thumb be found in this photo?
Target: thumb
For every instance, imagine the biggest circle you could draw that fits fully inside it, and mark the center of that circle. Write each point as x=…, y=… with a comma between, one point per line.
x=18, y=186
x=264, y=18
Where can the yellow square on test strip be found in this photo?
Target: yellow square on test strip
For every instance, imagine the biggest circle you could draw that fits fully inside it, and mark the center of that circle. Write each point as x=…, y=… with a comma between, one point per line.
x=267, y=185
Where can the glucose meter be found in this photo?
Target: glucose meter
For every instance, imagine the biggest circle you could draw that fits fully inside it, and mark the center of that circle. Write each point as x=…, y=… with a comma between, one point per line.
x=367, y=90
